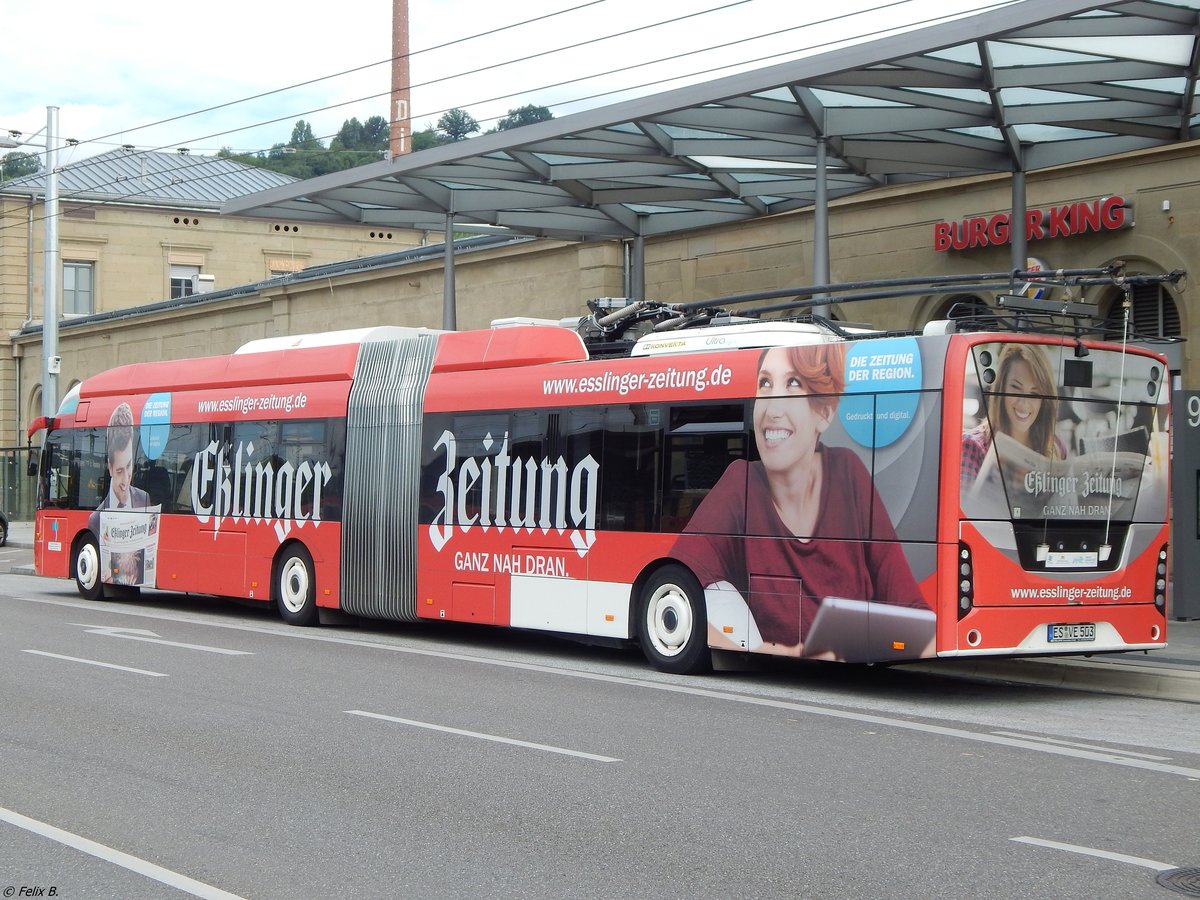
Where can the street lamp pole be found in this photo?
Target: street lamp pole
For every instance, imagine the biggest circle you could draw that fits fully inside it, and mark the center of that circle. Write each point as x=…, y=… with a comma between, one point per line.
x=50, y=358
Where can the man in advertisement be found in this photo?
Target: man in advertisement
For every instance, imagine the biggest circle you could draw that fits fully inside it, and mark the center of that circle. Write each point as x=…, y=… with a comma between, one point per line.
x=128, y=540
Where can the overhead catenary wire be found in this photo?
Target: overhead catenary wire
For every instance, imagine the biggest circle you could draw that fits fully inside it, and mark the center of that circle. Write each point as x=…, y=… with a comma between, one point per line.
x=132, y=197
x=534, y=89
x=309, y=112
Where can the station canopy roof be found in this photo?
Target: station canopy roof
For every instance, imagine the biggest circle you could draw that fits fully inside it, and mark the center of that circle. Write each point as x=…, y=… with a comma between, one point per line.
x=1021, y=87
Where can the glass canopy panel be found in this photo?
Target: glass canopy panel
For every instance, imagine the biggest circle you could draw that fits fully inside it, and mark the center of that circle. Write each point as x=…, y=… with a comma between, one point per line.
x=759, y=178
x=563, y=159
x=841, y=98
x=737, y=162
x=680, y=133
x=960, y=53
x=1023, y=96
x=970, y=95
x=1172, y=86
x=989, y=132
x=1041, y=134
x=652, y=210
x=1013, y=53
x=1171, y=50
x=782, y=93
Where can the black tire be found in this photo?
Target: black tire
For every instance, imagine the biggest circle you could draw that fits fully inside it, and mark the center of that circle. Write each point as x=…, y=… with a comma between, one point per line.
x=3, y=532
x=85, y=566
x=295, y=587
x=673, y=624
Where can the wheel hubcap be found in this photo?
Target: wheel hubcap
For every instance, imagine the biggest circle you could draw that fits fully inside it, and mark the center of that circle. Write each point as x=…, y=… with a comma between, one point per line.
x=293, y=585
x=669, y=617
x=87, y=567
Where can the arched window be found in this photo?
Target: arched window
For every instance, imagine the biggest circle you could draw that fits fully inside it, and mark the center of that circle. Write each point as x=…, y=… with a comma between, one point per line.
x=964, y=306
x=34, y=409
x=1153, y=314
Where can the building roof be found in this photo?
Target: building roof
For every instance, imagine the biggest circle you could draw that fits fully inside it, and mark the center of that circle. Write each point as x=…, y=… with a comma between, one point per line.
x=1025, y=86
x=153, y=177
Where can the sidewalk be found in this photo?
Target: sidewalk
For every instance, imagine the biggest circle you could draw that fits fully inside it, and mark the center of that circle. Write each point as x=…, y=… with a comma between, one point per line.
x=1170, y=674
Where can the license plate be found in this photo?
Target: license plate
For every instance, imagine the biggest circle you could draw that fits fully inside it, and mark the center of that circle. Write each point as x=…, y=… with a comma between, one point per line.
x=1079, y=560
x=1072, y=633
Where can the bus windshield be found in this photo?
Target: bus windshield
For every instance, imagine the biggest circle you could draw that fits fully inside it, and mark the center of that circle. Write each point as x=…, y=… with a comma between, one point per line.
x=1049, y=434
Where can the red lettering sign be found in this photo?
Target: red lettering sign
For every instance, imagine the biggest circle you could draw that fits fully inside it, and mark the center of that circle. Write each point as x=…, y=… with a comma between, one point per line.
x=1068, y=220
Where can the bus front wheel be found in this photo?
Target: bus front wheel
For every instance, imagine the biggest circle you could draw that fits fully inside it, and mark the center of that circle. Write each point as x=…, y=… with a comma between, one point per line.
x=86, y=567
x=672, y=623
x=296, y=587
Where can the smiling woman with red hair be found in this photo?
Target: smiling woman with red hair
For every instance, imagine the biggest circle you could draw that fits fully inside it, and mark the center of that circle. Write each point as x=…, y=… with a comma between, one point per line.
x=837, y=537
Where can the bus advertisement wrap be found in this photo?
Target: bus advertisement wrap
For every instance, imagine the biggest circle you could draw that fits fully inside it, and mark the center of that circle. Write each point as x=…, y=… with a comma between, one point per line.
x=761, y=487
x=525, y=492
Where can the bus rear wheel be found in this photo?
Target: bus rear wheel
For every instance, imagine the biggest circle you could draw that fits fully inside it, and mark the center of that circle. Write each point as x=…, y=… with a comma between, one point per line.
x=85, y=566
x=672, y=623
x=296, y=587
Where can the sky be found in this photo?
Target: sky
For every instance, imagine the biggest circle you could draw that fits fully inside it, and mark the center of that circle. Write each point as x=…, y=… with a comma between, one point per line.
x=240, y=74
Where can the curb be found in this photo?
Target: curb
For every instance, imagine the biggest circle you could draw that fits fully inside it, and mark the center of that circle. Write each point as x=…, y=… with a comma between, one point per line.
x=1128, y=679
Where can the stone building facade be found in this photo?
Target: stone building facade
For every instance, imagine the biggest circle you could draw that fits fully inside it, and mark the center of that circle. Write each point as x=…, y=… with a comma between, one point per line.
x=137, y=228
x=889, y=232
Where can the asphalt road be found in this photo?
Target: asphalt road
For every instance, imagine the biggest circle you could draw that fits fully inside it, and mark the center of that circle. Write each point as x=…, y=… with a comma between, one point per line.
x=175, y=746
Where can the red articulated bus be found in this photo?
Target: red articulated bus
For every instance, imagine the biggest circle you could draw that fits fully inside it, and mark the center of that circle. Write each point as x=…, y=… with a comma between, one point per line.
x=778, y=487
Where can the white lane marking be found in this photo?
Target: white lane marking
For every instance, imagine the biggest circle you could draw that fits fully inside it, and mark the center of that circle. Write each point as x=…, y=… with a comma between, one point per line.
x=482, y=736
x=1103, y=854
x=93, y=662
x=117, y=857
x=140, y=634
x=1046, y=740
x=711, y=693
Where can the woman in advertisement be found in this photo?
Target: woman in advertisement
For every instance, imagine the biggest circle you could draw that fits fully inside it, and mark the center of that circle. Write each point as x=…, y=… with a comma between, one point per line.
x=803, y=523
x=1024, y=408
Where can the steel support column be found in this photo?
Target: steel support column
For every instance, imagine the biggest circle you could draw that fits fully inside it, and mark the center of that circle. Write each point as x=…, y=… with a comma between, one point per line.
x=820, y=263
x=449, y=315
x=1018, y=226
x=50, y=359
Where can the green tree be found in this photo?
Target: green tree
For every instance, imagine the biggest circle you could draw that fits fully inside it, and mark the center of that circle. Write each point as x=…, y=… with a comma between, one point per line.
x=349, y=137
x=302, y=137
x=457, y=124
x=16, y=164
x=360, y=143
x=524, y=115
x=428, y=137
x=377, y=134
x=355, y=144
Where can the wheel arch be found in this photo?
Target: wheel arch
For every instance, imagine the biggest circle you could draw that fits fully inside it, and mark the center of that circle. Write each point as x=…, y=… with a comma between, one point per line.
x=649, y=570
x=670, y=616
x=280, y=552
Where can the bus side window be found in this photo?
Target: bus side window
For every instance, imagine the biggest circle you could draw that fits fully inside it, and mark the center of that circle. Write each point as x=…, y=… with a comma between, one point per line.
x=154, y=479
x=89, y=472
x=702, y=442
x=300, y=443
x=633, y=460
x=187, y=440
x=57, y=459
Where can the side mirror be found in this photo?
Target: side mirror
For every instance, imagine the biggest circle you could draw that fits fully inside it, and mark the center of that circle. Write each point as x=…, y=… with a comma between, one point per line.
x=31, y=467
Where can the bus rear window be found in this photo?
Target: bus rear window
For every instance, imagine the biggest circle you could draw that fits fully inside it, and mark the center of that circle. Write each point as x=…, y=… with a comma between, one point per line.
x=1048, y=435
